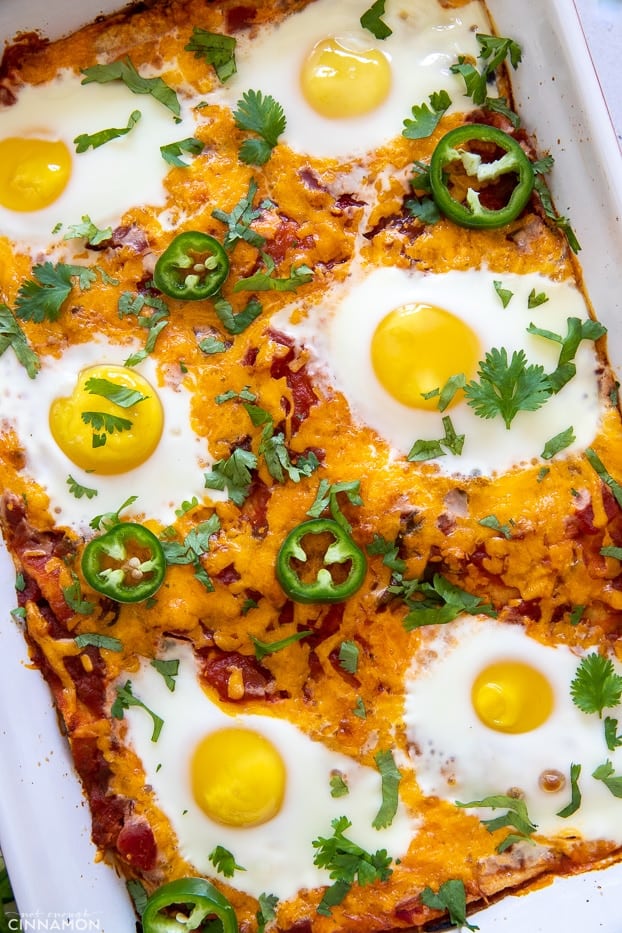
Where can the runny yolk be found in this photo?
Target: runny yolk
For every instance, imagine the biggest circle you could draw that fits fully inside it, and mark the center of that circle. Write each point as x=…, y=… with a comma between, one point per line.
x=33, y=172
x=511, y=696
x=238, y=777
x=416, y=348
x=100, y=435
x=340, y=80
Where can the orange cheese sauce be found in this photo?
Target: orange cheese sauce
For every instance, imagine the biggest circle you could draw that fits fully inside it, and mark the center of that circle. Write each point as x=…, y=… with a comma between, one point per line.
x=533, y=578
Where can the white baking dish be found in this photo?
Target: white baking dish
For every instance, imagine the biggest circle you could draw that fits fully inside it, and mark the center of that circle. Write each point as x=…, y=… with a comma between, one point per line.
x=44, y=823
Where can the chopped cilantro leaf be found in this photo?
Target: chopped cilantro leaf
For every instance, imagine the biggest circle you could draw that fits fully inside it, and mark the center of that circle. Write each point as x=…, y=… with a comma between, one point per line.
x=612, y=738
x=239, y=220
x=233, y=474
x=117, y=394
x=224, y=862
x=491, y=521
x=169, y=669
x=426, y=119
x=536, y=298
x=95, y=140
x=359, y=709
x=266, y=281
x=612, y=781
x=558, y=443
x=605, y=476
x=124, y=699
x=516, y=817
x=78, y=491
x=349, y=656
x=216, y=48
x=338, y=785
x=93, y=235
x=98, y=641
x=172, y=152
x=575, y=793
x=576, y=615
x=424, y=209
x=389, y=551
x=11, y=335
x=327, y=498
x=504, y=293
x=435, y=603
x=237, y=322
x=211, y=345
x=391, y=777
x=262, y=648
x=267, y=911
x=450, y=897
x=108, y=519
x=371, y=20
x=72, y=595
x=429, y=450
x=125, y=71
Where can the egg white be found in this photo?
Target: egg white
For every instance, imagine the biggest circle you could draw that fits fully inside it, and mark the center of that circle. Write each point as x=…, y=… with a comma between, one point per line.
x=427, y=39
x=339, y=330
x=277, y=855
x=104, y=182
x=456, y=757
x=174, y=472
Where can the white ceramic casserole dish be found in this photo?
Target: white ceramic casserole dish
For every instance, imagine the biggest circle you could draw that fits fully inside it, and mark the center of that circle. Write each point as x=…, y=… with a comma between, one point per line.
x=44, y=822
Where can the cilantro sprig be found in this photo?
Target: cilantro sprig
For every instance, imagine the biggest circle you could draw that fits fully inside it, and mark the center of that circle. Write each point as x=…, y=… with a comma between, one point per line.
x=436, y=602
x=239, y=220
x=596, y=685
x=263, y=115
x=42, y=297
x=430, y=450
x=233, y=474
x=347, y=862
x=507, y=386
x=189, y=551
x=611, y=780
x=493, y=52
x=224, y=862
x=172, y=152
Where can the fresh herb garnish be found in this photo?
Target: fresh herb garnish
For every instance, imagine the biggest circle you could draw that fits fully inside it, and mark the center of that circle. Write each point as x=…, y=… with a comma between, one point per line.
x=612, y=781
x=117, y=394
x=493, y=52
x=506, y=387
x=359, y=709
x=168, y=668
x=371, y=20
x=211, y=345
x=338, y=786
x=547, y=205
x=42, y=297
x=606, y=477
x=125, y=698
x=224, y=862
x=535, y=299
x=327, y=498
x=491, y=521
x=346, y=863
x=233, y=474
x=95, y=140
x=429, y=450
x=216, y=48
x=262, y=648
x=263, y=115
x=266, y=281
x=426, y=119
x=172, y=152
x=72, y=595
x=239, y=220
x=612, y=738
x=424, y=209
x=236, y=322
x=96, y=640
x=504, y=293
x=389, y=551
x=435, y=603
x=125, y=71
x=558, y=443
x=77, y=490
x=450, y=898
x=349, y=656
x=391, y=777
x=596, y=685
x=576, y=615
x=195, y=544
x=93, y=234
x=516, y=818
x=575, y=793
x=267, y=911
x=108, y=519
x=11, y=335
x=104, y=424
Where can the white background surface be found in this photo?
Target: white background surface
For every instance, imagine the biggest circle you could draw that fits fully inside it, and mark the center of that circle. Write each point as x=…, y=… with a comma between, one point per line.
x=44, y=825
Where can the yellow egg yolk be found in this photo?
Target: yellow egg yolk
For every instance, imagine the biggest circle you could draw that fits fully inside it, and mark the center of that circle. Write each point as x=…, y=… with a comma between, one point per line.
x=238, y=777
x=100, y=434
x=33, y=172
x=511, y=696
x=338, y=80
x=416, y=348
